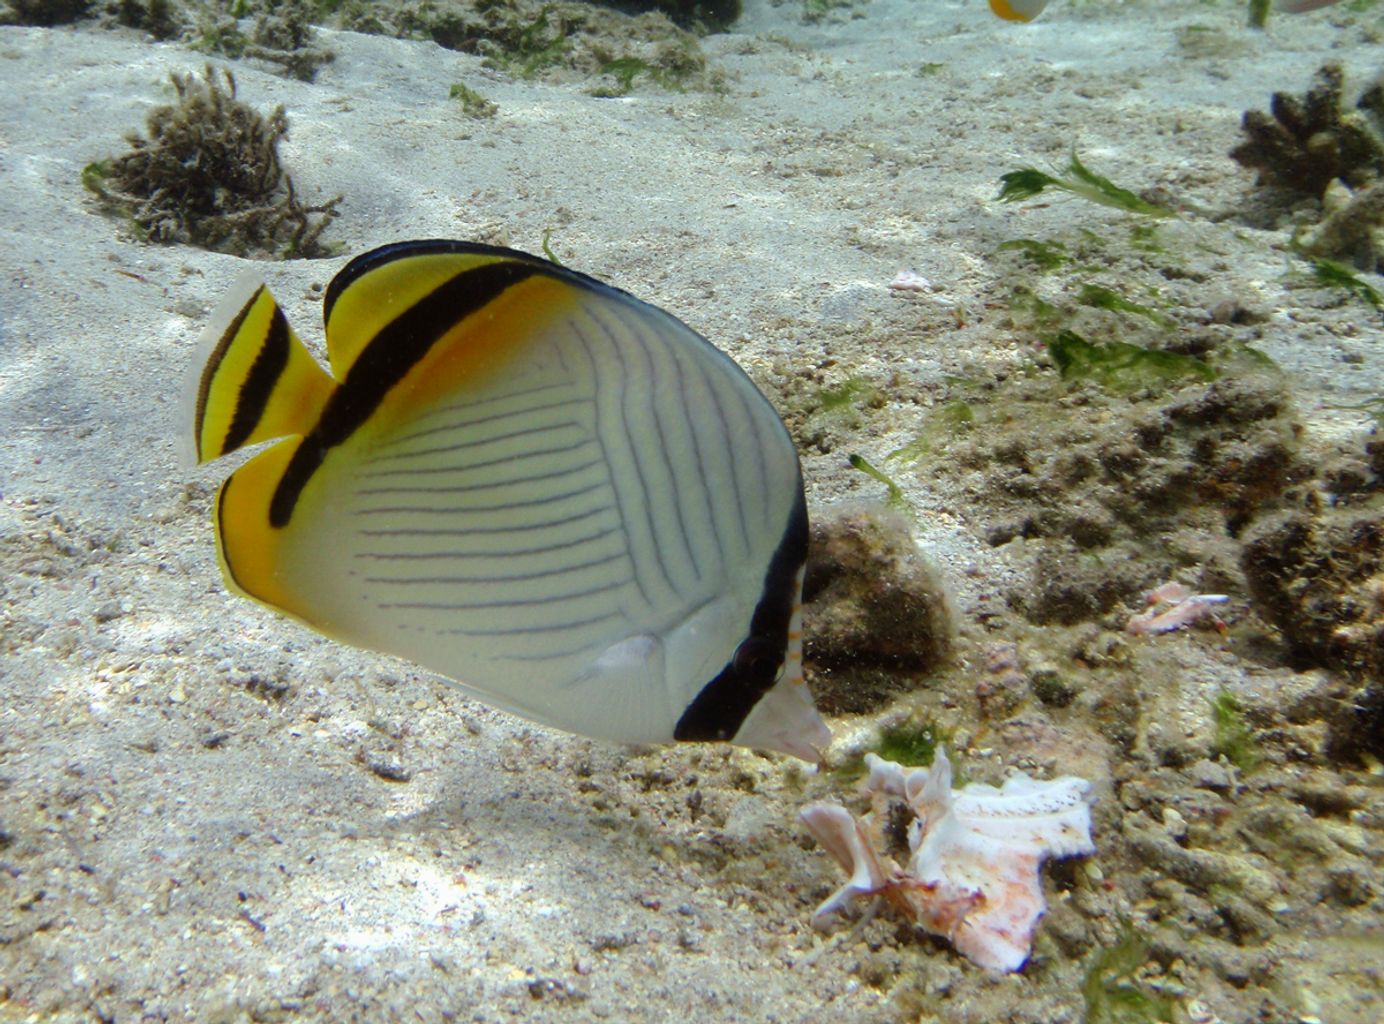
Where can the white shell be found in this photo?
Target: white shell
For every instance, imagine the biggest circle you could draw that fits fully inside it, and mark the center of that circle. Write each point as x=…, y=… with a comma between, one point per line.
x=976, y=853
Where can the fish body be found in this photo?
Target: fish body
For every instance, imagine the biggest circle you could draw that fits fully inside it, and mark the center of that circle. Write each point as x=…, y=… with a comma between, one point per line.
x=557, y=495
x=1027, y=10
x=1302, y=6
x=1018, y=10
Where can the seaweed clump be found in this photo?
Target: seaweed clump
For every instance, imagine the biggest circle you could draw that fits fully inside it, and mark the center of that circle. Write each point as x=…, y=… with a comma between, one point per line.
x=208, y=174
x=876, y=613
x=1311, y=146
x=46, y=12
x=284, y=36
x=553, y=41
x=1319, y=578
x=162, y=19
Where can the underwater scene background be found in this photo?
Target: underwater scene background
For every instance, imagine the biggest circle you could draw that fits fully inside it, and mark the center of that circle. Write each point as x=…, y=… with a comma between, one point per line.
x=1057, y=313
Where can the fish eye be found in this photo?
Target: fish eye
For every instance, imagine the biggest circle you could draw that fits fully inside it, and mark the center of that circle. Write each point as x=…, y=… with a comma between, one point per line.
x=758, y=658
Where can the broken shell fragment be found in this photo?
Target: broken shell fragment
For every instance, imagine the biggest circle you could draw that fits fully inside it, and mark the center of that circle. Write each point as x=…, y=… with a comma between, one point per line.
x=976, y=853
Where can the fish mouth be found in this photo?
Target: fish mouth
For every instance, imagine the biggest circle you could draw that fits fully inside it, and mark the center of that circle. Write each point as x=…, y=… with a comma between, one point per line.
x=786, y=720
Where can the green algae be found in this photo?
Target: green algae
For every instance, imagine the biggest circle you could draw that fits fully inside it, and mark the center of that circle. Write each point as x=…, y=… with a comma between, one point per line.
x=846, y=395
x=895, y=497
x=1120, y=366
x=1101, y=297
x=473, y=104
x=1112, y=993
x=1028, y=182
x=1233, y=740
x=533, y=46
x=948, y=421
x=548, y=253
x=1043, y=255
x=911, y=744
x=625, y=70
x=1145, y=237
x=1338, y=275
x=1025, y=302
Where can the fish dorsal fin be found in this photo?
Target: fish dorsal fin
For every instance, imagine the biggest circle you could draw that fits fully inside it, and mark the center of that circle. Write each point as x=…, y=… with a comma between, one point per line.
x=375, y=289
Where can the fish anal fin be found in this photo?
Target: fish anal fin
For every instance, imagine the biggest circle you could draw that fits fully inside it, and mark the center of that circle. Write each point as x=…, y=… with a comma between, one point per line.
x=253, y=379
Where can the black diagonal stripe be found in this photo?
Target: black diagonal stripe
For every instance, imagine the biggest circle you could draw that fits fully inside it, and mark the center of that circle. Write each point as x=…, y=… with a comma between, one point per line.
x=264, y=373
x=385, y=361
x=724, y=703
x=223, y=345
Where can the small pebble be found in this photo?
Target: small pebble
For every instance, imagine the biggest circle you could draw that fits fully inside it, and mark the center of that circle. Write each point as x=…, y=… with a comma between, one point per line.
x=387, y=768
x=1175, y=823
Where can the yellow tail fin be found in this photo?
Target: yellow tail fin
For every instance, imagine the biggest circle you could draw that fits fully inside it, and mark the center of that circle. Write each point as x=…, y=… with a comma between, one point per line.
x=253, y=380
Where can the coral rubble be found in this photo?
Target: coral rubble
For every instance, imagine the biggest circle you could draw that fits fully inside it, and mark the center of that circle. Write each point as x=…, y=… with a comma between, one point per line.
x=1319, y=578
x=1305, y=144
x=1312, y=146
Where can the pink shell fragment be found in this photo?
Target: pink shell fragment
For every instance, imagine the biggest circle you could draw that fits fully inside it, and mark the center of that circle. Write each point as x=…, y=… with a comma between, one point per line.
x=1183, y=609
x=910, y=281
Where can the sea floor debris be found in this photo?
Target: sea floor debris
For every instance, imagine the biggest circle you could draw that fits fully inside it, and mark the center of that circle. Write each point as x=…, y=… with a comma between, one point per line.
x=975, y=852
x=1173, y=606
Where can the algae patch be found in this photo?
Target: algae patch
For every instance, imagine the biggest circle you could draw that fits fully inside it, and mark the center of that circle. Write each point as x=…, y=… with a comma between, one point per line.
x=554, y=41
x=895, y=492
x=1120, y=366
x=1336, y=275
x=909, y=743
x=473, y=104
x=1028, y=182
x=876, y=614
x=1112, y=992
x=208, y=174
x=1234, y=739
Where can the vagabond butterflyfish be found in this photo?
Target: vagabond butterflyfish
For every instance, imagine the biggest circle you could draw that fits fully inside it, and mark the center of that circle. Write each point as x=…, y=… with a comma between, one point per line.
x=1018, y=10
x=559, y=496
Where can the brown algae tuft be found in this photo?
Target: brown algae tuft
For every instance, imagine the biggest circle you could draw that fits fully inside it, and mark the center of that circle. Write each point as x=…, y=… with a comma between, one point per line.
x=876, y=613
x=45, y=12
x=209, y=174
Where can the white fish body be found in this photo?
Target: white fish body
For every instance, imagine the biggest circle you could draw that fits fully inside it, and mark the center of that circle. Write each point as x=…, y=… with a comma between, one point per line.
x=557, y=495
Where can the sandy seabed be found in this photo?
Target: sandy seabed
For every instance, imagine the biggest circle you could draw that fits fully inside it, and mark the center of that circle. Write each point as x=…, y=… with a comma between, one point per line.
x=208, y=813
